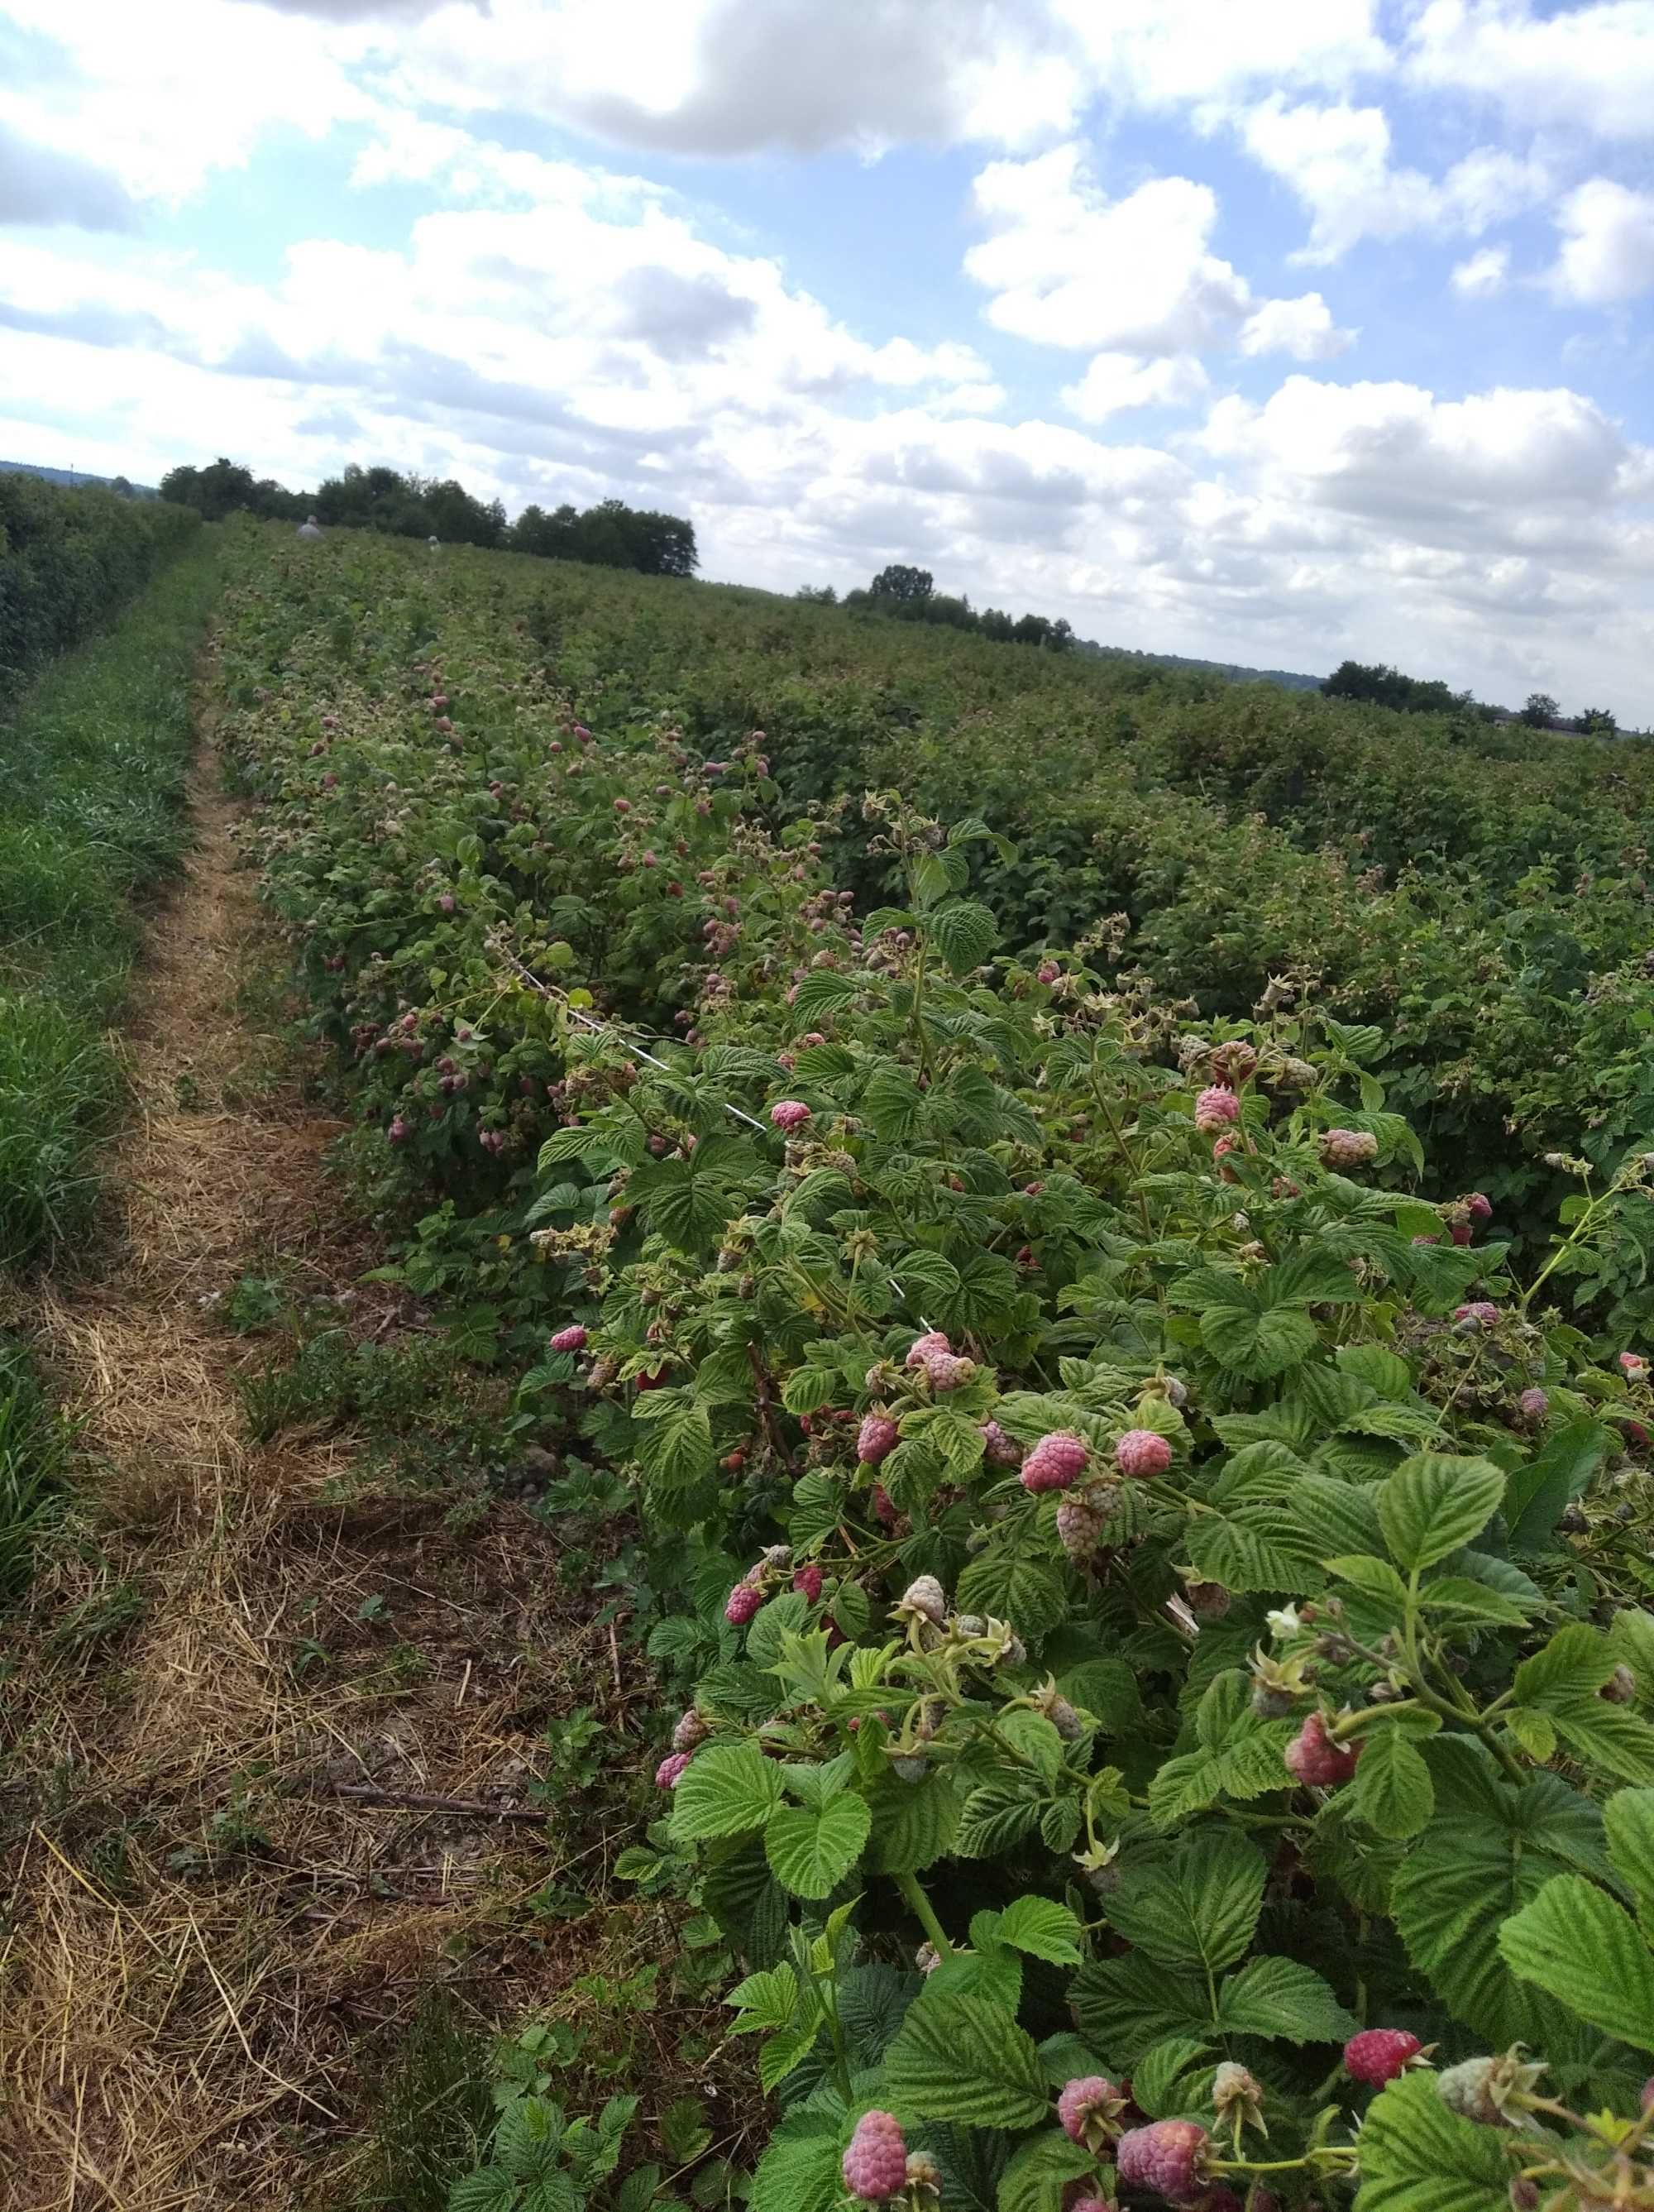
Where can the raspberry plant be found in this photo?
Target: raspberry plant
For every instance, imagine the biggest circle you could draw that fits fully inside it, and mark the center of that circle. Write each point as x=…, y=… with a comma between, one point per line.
x=1159, y=1601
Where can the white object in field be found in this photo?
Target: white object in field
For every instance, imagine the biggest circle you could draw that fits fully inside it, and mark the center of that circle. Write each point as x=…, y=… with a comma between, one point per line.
x=311, y=529
x=433, y=541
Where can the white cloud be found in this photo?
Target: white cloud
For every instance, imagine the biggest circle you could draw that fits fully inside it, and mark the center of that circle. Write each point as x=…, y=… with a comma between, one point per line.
x=1116, y=382
x=1068, y=267
x=1608, y=243
x=1303, y=328
x=1483, y=275
x=1337, y=160
x=162, y=104
x=1154, y=53
x=1590, y=67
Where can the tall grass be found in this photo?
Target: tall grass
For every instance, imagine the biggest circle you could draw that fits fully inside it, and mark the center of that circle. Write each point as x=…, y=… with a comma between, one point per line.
x=33, y=1444
x=95, y=755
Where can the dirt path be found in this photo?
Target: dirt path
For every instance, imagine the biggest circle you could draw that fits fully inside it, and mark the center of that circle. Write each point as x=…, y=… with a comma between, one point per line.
x=205, y=1934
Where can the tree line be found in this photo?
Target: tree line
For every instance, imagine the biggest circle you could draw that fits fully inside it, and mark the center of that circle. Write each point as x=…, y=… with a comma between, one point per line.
x=611, y=535
x=904, y=594
x=1380, y=685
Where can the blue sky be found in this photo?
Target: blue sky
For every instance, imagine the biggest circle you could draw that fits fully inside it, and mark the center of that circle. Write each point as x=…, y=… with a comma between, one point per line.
x=1277, y=334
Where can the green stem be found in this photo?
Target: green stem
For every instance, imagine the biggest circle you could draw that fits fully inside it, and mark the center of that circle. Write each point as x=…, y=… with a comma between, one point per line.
x=919, y=1905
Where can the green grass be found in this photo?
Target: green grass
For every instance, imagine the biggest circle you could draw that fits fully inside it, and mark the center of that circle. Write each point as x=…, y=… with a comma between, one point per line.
x=91, y=819
x=33, y=1444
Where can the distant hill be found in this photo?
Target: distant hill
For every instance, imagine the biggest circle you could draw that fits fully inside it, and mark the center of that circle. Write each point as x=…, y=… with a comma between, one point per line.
x=1231, y=671
x=74, y=476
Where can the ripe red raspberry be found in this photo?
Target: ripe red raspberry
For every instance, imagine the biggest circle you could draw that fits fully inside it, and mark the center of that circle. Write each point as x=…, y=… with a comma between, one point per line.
x=1348, y=1148
x=622, y=807
x=875, y=2164
x=1088, y=2109
x=1461, y=1232
x=998, y=1449
x=397, y=1132
x=1166, y=2157
x=669, y=1772
x=1142, y=1452
x=1481, y=1206
x=1048, y=971
x=1380, y=2054
x=883, y=1507
x=1215, y=1108
x=744, y=1601
x=1220, y=1150
x=1055, y=1462
x=808, y=1580
x=877, y=1438
x=1313, y=1758
x=789, y=1114
x=572, y=1339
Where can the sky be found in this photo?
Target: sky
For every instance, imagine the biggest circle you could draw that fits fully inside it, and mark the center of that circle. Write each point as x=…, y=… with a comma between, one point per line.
x=1277, y=333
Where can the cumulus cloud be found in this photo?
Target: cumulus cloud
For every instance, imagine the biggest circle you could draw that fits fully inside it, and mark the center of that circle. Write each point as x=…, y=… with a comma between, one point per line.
x=1303, y=328
x=1590, y=67
x=1482, y=275
x=1337, y=160
x=1608, y=243
x=1114, y=383
x=1068, y=267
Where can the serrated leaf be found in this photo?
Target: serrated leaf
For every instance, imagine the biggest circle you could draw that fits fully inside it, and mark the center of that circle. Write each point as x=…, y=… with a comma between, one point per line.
x=995, y=1817
x=1417, y=2156
x=1457, y=1598
x=914, y=1823
x=1393, y=1791
x=1538, y=1493
x=811, y=1849
x=1125, y=2005
x=765, y=2001
x=964, y=932
x=490, y=2189
x=1255, y=1548
x=1433, y=1503
x=1279, y=1997
x=959, y=2058
x=1628, y=1820
x=1010, y=1586
x=1042, y=1928
x=1199, y=1908
x=1258, y=1342
x=726, y=1789
x=1036, y=2177
x=1171, y=2077
x=822, y=994
x=799, y=2173
x=1586, y=1951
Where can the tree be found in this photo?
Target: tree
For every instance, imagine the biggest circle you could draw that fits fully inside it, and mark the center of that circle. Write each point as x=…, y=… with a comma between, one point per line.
x=906, y=585
x=817, y=595
x=1539, y=709
x=1597, y=722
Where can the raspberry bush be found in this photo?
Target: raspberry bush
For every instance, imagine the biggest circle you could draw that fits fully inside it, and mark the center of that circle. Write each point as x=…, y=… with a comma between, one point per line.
x=1158, y=1602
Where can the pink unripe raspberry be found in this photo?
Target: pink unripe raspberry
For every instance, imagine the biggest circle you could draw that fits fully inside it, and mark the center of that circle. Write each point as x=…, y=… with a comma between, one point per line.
x=1048, y=971
x=1481, y=1206
x=1079, y=1528
x=1380, y=2054
x=397, y=1131
x=447, y=903
x=690, y=1732
x=1085, y=2108
x=1215, y=1108
x=924, y=1349
x=622, y=807
x=1535, y=1404
x=744, y=1601
x=1461, y=1232
x=1482, y=1310
x=1635, y=1366
x=572, y=1339
x=669, y=1772
x=875, y=2164
x=1348, y=1148
x=808, y=1580
x=1141, y=1452
x=788, y=1113
x=1055, y=1462
x=877, y=1438
x=884, y=1507
x=1313, y=1758
x=947, y=1373
x=998, y=1449
x=1166, y=2158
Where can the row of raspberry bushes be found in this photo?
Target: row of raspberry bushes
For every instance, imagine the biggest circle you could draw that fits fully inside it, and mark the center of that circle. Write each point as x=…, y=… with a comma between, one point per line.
x=69, y=557
x=1480, y=894
x=1161, y=1622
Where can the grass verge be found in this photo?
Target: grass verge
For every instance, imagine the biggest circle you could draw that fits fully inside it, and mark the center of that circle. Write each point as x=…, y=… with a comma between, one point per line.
x=91, y=819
